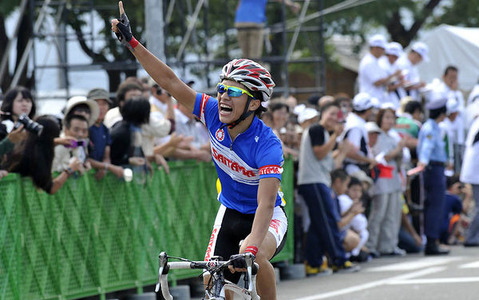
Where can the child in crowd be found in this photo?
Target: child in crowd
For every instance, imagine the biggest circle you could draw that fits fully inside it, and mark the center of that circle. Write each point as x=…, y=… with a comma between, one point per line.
x=349, y=202
x=339, y=184
x=453, y=211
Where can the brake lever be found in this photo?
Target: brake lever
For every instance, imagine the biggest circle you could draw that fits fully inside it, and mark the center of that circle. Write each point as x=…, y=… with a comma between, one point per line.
x=249, y=259
x=163, y=258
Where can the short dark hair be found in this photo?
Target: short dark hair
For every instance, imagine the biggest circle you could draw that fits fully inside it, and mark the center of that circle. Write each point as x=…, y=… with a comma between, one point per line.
x=278, y=105
x=451, y=180
x=7, y=103
x=450, y=68
x=354, y=181
x=70, y=117
x=136, y=111
x=329, y=105
x=125, y=87
x=339, y=174
x=412, y=106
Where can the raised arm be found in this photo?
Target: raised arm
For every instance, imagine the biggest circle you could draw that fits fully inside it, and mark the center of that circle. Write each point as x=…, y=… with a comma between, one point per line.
x=157, y=69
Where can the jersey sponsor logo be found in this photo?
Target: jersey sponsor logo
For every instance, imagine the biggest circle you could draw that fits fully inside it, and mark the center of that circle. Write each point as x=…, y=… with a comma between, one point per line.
x=210, y=244
x=233, y=165
x=220, y=134
x=272, y=169
x=275, y=223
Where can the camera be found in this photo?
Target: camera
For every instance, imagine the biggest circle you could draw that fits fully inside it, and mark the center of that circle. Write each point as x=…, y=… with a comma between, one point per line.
x=29, y=124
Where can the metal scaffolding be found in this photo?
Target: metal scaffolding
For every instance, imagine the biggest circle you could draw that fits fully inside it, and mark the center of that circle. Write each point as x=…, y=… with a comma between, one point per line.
x=197, y=35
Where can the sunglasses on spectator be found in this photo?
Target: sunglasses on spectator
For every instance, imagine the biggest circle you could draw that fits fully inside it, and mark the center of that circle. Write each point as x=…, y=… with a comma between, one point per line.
x=159, y=91
x=232, y=91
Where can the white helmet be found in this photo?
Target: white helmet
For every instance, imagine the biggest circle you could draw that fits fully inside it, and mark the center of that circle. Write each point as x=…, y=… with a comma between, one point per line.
x=251, y=74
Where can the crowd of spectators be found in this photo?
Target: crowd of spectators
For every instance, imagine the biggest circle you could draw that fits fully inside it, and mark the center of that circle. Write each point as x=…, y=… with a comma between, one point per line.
x=386, y=172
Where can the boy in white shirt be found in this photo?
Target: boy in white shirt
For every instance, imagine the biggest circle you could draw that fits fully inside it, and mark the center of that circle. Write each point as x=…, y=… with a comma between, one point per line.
x=359, y=223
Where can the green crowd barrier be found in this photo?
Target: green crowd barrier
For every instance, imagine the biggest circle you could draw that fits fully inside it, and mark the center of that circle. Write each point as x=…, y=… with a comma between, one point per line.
x=95, y=237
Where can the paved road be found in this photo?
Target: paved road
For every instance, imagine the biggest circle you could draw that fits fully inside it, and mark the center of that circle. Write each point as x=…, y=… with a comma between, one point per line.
x=412, y=277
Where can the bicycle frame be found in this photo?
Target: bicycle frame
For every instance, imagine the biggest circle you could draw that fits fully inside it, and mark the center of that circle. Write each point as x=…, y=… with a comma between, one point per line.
x=215, y=268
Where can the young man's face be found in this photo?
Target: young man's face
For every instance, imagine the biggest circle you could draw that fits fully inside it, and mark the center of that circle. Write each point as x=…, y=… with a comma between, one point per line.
x=231, y=108
x=78, y=129
x=104, y=107
x=355, y=192
x=340, y=186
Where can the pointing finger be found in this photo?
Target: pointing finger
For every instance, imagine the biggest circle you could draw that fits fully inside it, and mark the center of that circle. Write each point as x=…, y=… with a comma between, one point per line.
x=120, y=5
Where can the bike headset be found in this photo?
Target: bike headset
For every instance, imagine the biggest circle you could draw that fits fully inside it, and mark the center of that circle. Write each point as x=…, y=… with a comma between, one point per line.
x=254, y=77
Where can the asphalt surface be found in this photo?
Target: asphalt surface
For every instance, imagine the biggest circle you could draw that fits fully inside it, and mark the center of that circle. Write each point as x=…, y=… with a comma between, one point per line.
x=415, y=276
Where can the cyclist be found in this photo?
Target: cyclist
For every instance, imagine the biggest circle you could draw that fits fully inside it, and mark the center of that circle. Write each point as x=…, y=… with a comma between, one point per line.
x=247, y=155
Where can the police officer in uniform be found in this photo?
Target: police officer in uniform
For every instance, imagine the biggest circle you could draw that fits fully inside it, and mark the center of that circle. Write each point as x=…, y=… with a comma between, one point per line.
x=431, y=151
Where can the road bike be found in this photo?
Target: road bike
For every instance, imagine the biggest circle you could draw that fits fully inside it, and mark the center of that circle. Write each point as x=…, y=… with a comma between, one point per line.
x=215, y=267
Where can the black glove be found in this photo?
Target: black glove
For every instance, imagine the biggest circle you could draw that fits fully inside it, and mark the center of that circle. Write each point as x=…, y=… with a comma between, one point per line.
x=124, y=34
x=124, y=29
x=238, y=260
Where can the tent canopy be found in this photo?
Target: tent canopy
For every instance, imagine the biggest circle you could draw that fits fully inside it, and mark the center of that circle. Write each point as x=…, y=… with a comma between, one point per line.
x=452, y=45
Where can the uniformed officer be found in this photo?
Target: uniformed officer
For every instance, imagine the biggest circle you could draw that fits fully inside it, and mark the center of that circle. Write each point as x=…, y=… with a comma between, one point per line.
x=432, y=158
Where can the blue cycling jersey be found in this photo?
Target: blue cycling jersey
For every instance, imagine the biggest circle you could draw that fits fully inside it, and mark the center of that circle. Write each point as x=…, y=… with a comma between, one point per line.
x=253, y=155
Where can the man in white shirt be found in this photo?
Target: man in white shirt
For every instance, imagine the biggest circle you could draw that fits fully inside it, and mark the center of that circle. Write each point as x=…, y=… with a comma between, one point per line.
x=408, y=63
x=359, y=158
x=372, y=78
x=388, y=62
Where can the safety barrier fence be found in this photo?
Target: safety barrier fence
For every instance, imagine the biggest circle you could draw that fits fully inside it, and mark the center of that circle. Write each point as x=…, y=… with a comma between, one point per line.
x=94, y=237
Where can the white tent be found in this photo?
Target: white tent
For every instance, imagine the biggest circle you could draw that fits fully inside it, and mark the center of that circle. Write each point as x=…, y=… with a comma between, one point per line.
x=451, y=45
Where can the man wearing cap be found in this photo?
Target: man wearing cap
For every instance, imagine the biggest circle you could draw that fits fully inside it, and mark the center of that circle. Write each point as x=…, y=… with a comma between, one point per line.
x=359, y=158
x=388, y=63
x=431, y=151
x=100, y=139
x=373, y=79
x=448, y=131
x=408, y=63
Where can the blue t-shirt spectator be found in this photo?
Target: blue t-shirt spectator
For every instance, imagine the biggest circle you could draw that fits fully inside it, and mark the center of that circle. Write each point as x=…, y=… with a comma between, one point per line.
x=100, y=138
x=251, y=11
x=452, y=206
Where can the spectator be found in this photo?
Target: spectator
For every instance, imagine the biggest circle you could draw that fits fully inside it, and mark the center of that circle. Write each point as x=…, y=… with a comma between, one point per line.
x=409, y=240
x=358, y=160
x=80, y=105
x=432, y=156
x=385, y=217
x=100, y=139
x=449, y=133
x=17, y=101
x=250, y=20
x=452, y=209
x=8, y=144
x=470, y=174
x=14, y=137
x=388, y=63
x=373, y=78
x=408, y=64
x=345, y=103
x=315, y=164
x=125, y=91
x=352, y=209
x=34, y=158
x=126, y=136
x=198, y=146
x=76, y=126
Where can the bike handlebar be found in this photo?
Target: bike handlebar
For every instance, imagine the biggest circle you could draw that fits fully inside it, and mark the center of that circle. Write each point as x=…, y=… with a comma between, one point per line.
x=212, y=266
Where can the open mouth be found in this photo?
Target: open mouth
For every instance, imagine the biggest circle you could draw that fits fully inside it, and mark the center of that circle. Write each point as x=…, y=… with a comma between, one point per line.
x=225, y=108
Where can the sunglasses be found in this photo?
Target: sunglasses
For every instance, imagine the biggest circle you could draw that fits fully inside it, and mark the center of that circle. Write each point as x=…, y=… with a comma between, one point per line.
x=232, y=91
